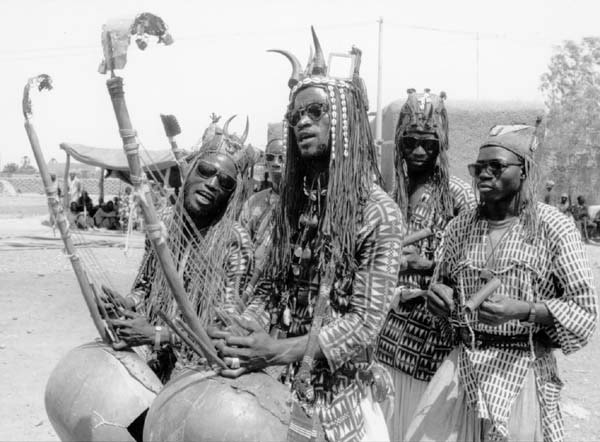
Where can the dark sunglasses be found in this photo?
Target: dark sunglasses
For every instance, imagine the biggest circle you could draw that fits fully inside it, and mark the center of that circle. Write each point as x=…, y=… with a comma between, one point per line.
x=207, y=170
x=410, y=144
x=492, y=167
x=272, y=157
x=315, y=112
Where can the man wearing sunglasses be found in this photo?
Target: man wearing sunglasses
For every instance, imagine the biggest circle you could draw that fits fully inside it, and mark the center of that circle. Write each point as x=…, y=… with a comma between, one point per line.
x=213, y=252
x=336, y=243
x=501, y=382
x=410, y=343
x=257, y=210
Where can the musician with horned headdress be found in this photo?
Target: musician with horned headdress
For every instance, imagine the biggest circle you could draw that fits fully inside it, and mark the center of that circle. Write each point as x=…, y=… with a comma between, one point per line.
x=336, y=248
x=213, y=252
x=501, y=381
x=410, y=342
x=257, y=213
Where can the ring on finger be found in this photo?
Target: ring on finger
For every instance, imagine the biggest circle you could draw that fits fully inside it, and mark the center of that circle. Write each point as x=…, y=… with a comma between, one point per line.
x=235, y=363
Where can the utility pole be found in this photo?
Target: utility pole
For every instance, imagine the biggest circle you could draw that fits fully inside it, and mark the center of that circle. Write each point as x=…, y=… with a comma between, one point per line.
x=378, y=117
x=477, y=65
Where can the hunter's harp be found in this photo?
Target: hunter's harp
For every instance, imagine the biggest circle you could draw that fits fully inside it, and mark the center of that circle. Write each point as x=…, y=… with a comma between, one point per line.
x=341, y=65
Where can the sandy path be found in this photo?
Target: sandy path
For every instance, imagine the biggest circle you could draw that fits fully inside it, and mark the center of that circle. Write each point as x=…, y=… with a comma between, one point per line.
x=42, y=317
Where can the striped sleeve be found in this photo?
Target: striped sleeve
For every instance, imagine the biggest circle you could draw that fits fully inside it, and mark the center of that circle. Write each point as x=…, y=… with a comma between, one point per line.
x=378, y=265
x=257, y=309
x=575, y=308
x=238, y=264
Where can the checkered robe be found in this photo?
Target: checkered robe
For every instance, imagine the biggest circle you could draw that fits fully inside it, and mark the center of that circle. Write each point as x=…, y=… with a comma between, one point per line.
x=349, y=331
x=555, y=270
x=411, y=340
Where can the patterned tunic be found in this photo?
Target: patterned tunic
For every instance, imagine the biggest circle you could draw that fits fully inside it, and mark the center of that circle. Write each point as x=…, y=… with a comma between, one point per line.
x=554, y=269
x=256, y=218
x=411, y=340
x=355, y=316
x=239, y=259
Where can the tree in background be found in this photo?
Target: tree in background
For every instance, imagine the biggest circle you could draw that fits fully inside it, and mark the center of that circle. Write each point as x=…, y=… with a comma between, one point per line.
x=572, y=91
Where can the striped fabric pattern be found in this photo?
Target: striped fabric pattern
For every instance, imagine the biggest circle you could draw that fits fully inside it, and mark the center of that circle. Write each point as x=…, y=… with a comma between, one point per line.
x=350, y=330
x=554, y=270
x=411, y=340
x=239, y=261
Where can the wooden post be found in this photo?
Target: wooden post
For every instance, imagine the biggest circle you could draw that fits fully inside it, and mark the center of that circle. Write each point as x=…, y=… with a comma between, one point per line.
x=67, y=196
x=101, y=186
x=378, y=118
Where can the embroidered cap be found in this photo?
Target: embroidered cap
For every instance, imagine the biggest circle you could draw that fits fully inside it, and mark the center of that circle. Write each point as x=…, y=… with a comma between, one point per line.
x=520, y=139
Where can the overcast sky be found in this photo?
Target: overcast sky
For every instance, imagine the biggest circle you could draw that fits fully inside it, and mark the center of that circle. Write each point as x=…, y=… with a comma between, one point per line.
x=218, y=62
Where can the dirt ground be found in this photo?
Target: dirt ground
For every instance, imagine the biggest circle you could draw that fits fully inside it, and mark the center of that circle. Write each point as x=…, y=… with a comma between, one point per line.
x=42, y=316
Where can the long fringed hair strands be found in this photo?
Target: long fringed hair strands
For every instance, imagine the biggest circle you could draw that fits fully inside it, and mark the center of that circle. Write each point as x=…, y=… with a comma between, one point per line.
x=440, y=177
x=352, y=171
x=201, y=258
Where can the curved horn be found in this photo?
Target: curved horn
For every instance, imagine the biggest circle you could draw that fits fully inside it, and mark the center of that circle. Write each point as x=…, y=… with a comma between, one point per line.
x=246, y=130
x=42, y=82
x=226, y=126
x=319, y=65
x=296, y=66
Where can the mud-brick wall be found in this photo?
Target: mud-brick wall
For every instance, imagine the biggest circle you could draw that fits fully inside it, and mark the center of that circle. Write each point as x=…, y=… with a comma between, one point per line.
x=33, y=184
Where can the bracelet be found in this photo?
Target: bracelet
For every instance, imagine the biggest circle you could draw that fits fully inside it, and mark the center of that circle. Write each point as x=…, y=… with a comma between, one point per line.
x=173, y=339
x=531, y=316
x=157, y=331
x=532, y=313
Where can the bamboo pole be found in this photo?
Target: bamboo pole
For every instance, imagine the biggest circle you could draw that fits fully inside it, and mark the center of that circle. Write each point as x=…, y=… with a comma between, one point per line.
x=56, y=210
x=153, y=224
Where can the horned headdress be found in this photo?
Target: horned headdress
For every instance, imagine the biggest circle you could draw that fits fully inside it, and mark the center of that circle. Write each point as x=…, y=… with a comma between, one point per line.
x=424, y=115
x=352, y=164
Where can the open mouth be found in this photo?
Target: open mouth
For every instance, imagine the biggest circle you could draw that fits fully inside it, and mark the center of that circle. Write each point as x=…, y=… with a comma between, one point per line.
x=204, y=197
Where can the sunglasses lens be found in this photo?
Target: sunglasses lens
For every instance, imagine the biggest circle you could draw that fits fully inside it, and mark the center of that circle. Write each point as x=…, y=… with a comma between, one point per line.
x=315, y=111
x=474, y=170
x=293, y=118
x=429, y=145
x=206, y=170
x=226, y=182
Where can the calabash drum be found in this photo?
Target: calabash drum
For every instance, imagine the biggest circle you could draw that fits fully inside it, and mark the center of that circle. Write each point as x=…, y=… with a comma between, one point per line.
x=98, y=394
x=202, y=406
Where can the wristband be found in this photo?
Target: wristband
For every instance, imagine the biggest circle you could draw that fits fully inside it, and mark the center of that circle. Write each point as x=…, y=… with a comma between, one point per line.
x=157, y=331
x=532, y=313
x=173, y=339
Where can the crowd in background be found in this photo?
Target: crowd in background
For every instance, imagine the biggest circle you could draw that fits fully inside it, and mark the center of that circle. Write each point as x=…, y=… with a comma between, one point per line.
x=587, y=222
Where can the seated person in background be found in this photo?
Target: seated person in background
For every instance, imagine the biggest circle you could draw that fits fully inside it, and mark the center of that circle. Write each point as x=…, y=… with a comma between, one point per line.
x=84, y=203
x=106, y=217
x=564, y=206
x=83, y=209
x=582, y=218
x=549, y=196
x=596, y=224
